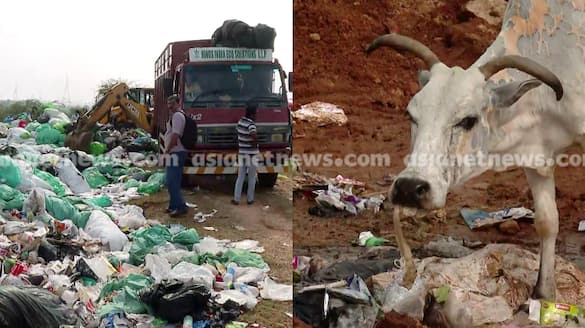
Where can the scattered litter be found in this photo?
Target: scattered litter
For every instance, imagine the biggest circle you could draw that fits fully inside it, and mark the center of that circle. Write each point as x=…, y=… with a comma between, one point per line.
x=321, y=114
x=368, y=239
x=191, y=205
x=269, y=290
x=210, y=228
x=558, y=314
x=478, y=218
x=239, y=228
x=582, y=225
x=200, y=217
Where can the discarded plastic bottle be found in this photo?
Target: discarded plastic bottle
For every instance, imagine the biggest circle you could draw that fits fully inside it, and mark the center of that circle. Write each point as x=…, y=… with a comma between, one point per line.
x=188, y=322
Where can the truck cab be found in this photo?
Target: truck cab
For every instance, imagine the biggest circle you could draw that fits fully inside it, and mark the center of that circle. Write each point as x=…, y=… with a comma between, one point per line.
x=214, y=85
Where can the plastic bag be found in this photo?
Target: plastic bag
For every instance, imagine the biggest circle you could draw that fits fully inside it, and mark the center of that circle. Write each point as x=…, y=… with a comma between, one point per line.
x=144, y=240
x=32, y=126
x=9, y=172
x=101, y=226
x=242, y=298
x=209, y=245
x=31, y=307
x=94, y=178
x=244, y=258
x=173, y=300
x=18, y=136
x=10, y=198
x=101, y=201
x=58, y=187
x=186, y=272
x=270, y=290
x=158, y=266
x=130, y=216
x=186, y=238
x=47, y=135
x=69, y=174
x=97, y=148
x=126, y=298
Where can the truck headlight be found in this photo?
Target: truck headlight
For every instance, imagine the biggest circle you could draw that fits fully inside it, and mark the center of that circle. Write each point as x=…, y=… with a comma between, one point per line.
x=276, y=138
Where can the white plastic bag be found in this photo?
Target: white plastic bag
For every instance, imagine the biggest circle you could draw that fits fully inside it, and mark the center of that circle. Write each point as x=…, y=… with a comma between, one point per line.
x=158, y=266
x=242, y=299
x=130, y=216
x=19, y=136
x=100, y=226
x=186, y=272
x=69, y=174
x=270, y=290
x=249, y=274
x=209, y=245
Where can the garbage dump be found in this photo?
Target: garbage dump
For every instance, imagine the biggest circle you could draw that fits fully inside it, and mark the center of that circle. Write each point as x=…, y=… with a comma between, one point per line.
x=488, y=286
x=73, y=252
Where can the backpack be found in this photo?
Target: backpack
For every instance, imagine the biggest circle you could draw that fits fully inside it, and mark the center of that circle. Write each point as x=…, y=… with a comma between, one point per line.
x=189, y=137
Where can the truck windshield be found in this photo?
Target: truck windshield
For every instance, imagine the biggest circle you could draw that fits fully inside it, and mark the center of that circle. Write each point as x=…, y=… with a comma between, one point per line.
x=225, y=82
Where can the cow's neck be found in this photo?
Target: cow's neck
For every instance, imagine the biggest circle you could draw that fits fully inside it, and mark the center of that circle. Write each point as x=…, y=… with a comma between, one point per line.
x=544, y=31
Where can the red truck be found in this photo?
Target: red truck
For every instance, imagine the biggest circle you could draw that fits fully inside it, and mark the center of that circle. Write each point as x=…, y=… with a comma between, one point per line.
x=214, y=85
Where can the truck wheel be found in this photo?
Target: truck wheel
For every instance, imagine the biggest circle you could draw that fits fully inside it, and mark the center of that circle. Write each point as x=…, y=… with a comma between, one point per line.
x=267, y=180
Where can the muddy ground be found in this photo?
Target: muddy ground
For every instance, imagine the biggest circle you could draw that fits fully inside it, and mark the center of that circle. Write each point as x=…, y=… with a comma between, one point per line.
x=374, y=91
x=268, y=221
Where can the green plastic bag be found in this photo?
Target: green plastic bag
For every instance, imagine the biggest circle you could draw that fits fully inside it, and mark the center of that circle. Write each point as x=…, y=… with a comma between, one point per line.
x=10, y=198
x=153, y=185
x=94, y=178
x=158, y=178
x=47, y=135
x=9, y=172
x=193, y=259
x=60, y=126
x=243, y=258
x=126, y=299
x=131, y=184
x=58, y=187
x=62, y=209
x=32, y=126
x=144, y=240
x=209, y=259
x=186, y=238
x=102, y=201
x=110, y=168
x=97, y=148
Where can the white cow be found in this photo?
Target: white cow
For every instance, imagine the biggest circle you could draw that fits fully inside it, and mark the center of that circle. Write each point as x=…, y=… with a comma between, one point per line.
x=524, y=100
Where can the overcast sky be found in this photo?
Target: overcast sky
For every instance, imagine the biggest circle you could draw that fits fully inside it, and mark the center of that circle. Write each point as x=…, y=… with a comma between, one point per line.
x=44, y=44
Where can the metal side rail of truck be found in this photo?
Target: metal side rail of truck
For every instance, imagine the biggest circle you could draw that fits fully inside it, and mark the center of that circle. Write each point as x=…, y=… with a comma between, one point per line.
x=214, y=85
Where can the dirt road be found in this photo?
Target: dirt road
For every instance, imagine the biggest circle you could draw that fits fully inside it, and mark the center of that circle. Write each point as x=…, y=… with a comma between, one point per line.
x=268, y=221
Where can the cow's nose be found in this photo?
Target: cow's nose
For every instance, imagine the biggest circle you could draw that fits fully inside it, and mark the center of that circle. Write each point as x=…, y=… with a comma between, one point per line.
x=410, y=192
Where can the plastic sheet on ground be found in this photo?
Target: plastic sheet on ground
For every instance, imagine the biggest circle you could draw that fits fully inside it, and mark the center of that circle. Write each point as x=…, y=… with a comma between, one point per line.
x=321, y=114
x=271, y=290
x=9, y=172
x=130, y=216
x=144, y=240
x=490, y=283
x=94, y=178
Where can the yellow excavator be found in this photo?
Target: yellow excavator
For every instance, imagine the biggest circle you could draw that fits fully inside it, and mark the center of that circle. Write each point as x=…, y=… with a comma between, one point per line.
x=117, y=105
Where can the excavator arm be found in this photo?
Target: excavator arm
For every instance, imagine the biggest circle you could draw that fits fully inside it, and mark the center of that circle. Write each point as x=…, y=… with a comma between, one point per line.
x=82, y=135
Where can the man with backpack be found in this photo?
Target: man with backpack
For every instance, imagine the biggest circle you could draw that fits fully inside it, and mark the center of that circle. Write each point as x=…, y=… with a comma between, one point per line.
x=180, y=135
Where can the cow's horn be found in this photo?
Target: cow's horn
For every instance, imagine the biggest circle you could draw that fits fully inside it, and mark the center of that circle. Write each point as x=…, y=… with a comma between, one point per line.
x=404, y=43
x=525, y=65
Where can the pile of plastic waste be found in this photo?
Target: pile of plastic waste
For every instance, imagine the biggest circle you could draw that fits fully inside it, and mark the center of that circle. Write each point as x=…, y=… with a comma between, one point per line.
x=73, y=252
x=338, y=196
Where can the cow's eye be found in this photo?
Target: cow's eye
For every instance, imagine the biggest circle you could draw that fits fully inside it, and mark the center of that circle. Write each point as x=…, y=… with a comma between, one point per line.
x=467, y=123
x=412, y=120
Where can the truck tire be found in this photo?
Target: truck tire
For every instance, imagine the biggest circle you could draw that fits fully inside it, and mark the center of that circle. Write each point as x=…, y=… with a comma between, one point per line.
x=267, y=180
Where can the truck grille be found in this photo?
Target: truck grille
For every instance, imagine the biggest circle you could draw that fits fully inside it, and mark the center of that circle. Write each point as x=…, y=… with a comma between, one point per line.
x=232, y=138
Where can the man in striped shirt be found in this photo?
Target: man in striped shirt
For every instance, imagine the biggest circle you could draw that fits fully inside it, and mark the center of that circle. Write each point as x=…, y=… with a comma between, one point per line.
x=247, y=155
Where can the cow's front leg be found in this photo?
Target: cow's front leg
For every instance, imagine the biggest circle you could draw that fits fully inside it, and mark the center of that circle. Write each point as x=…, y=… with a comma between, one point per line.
x=547, y=228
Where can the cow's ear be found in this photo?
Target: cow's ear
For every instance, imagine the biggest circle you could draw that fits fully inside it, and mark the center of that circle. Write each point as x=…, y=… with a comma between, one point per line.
x=506, y=95
x=423, y=77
